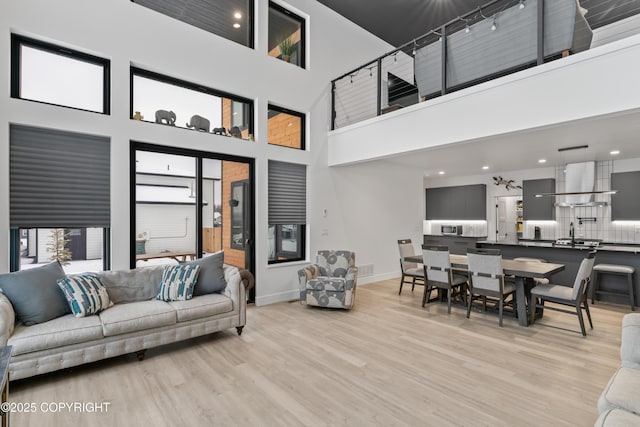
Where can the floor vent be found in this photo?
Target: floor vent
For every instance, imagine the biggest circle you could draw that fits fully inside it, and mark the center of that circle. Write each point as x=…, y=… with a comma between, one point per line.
x=365, y=270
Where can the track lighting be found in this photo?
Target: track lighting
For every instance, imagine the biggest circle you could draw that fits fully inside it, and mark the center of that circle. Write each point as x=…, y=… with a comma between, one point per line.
x=521, y=4
x=370, y=72
x=413, y=52
x=467, y=29
x=494, y=26
x=351, y=78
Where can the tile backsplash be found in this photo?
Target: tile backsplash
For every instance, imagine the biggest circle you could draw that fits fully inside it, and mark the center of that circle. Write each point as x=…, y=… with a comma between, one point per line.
x=596, y=220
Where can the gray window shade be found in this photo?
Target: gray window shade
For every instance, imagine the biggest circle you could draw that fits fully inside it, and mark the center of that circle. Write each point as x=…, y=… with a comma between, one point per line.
x=58, y=179
x=287, y=193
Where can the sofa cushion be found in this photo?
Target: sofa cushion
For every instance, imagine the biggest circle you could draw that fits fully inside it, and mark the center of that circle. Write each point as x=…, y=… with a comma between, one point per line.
x=327, y=284
x=136, y=316
x=622, y=391
x=202, y=306
x=211, y=277
x=617, y=418
x=85, y=293
x=34, y=293
x=65, y=330
x=178, y=282
x=140, y=284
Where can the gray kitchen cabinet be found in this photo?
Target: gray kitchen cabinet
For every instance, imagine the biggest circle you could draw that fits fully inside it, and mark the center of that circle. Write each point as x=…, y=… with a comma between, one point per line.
x=456, y=244
x=464, y=202
x=625, y=204
x=538, y=208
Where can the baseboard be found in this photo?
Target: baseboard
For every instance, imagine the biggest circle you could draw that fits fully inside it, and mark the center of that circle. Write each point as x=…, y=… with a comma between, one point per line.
x=279, y=297
x=378, y=277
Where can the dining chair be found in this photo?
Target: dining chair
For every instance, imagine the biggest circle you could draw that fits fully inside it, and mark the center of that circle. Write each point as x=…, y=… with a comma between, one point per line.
x=486, y=279
x=573, y=296
x=410, y=270
x=439, y=274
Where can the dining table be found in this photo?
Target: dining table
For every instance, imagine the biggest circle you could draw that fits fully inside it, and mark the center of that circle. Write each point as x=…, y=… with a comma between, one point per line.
x=524, y=273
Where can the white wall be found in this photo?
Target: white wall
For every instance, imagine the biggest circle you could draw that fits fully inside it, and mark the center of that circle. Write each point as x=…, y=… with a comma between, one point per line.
x=129, y=34
x=616, y=31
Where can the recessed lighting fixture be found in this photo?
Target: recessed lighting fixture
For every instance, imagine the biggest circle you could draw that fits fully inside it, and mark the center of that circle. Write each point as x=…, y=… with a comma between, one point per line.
x=614, y=152
x=237, y=15
x=485, y=168
x=542, y=161
x=441, y=173
x=236, y=25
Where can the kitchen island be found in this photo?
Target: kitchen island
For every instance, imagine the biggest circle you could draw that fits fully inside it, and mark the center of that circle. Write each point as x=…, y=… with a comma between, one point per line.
x=571, y=256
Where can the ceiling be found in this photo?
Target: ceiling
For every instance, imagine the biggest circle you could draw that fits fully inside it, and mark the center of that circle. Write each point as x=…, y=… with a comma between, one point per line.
x=400, y=21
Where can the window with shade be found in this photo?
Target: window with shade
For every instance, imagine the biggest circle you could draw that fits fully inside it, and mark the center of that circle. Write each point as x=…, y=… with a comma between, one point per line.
x=59, y=203
x=286, y=127
x=287, y=195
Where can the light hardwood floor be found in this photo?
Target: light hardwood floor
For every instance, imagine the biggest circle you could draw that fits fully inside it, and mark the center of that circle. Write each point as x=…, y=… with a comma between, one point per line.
x=387, y=362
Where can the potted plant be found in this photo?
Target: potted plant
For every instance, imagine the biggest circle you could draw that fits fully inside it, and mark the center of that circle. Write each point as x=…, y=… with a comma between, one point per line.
x=286, y=48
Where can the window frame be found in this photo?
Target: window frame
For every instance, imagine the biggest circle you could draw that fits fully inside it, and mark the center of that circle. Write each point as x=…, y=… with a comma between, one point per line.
x=162, y=78
x=302, y=50
x=303, y=125
x=17, y=41
x=300, y=245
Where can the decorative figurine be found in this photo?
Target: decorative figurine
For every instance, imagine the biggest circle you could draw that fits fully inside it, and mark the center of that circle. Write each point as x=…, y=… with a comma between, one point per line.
x=220, y=131
x=235, y=132
x=166, y=117
x=507, y=184
x=138, y=116
x=199, y=123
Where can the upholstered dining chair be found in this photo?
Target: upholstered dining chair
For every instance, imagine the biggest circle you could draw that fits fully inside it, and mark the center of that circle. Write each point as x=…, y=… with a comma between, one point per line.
x=438, y=274
x=574, y=296
x=486, y=279
x=331, y=281
x=411, y=273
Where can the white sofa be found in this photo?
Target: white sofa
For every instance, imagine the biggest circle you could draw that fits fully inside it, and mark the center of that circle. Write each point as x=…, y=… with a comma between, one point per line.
x=619, y=403
x=136, y=322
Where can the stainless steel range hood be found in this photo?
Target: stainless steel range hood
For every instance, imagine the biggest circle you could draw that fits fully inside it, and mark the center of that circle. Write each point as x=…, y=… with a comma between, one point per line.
x=580, y=179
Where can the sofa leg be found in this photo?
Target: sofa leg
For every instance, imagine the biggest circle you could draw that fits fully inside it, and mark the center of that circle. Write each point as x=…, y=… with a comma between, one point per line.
x=239, y=329
x=140, y=354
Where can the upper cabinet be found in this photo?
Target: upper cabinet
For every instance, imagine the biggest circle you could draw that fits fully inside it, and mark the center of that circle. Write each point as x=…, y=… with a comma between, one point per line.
x=538, y=208
x=465, y=202
x=625, y=204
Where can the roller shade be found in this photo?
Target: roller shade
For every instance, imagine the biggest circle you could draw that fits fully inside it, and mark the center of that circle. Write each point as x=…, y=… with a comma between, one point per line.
x=287, y=193
x=58, y=179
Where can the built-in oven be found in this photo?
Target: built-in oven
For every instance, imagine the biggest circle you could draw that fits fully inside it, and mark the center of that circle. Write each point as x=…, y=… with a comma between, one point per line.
x=451, y=230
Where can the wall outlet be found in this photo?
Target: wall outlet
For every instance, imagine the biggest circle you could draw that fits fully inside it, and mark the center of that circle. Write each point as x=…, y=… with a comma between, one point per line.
x=324, y=232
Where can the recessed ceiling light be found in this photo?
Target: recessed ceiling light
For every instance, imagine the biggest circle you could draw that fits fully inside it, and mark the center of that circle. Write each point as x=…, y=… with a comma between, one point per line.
x=542, y=161
x=485, y=168
x=441, y=173
x=237, y=15
x=236, y=25
x=614, y=152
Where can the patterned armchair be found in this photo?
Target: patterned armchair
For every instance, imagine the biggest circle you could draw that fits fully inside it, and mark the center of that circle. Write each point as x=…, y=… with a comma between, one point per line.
x=331, y=281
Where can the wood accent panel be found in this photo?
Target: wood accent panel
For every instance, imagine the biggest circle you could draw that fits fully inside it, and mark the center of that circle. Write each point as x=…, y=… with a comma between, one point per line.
x=231, y=172
x=211, y=239
x=390, y=362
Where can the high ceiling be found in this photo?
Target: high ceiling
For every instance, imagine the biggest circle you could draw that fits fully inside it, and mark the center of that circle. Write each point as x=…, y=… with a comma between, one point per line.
x=400, y=21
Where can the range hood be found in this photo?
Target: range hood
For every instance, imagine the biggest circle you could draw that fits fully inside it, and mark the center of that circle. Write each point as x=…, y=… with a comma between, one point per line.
x=580, y=179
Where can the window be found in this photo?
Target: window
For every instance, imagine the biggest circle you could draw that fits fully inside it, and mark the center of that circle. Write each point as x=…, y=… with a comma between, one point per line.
x=231, y=19
x=285, y=127
x=286, y=35
x=56, y=75
x=287, y=211
x=238, y=212
x=59, y=199
x=165, y=100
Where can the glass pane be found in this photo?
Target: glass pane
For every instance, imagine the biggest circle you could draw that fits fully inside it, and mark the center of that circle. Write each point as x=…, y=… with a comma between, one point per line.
x=286, y=35
x=56, y=79
x=78, y=249
x=212, y=206
x=165, y=208
x=237, y=215
x=285, y=129
x=285, y=242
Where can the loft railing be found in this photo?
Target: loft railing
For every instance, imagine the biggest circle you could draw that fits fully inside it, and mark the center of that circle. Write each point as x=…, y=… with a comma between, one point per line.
x=499, y=38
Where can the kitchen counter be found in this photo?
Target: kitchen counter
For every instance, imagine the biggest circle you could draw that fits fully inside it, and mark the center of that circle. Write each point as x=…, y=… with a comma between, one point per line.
x=604, y=246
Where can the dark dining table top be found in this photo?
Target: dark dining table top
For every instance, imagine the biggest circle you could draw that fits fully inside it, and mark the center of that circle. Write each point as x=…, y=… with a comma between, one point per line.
x=532, y=269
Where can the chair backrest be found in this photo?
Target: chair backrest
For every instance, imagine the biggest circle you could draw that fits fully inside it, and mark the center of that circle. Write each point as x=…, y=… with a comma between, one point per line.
x=485, y=269
x=335, y=263
x=406, y=249
x=437, y=265
x=584, y=272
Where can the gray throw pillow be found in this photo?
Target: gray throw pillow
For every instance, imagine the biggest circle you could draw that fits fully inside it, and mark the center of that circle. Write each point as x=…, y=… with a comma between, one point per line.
x=211, y=277
x=34, y=293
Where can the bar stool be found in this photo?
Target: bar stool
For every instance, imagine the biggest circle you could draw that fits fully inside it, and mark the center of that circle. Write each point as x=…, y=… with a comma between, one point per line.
x=624, y=270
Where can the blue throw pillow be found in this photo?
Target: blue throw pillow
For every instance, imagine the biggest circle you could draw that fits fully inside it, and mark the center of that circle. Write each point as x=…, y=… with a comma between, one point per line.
x=178, y=282
x=34, y=293
x=85, y=293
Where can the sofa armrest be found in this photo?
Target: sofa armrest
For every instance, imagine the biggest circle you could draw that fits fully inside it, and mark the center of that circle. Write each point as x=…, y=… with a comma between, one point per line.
x=304, y=275
x=630, y=346
x=7, y=319
x=235, y=290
